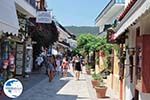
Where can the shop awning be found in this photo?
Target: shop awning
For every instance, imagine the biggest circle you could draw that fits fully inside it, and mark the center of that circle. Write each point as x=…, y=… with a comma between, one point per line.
x=140, y=7
x=8, y=17
x=62, y=44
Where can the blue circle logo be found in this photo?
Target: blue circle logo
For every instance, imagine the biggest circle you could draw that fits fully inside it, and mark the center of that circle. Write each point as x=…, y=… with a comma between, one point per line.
x=13, y=88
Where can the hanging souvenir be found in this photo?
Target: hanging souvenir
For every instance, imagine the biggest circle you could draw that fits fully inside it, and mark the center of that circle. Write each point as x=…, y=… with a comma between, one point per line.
x=11, y=59
x=5, y=64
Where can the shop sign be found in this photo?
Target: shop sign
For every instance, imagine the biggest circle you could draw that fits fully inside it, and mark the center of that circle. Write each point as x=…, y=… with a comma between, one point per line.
x=43, y=17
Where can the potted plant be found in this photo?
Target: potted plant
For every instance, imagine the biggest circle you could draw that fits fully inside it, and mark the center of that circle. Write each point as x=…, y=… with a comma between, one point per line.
x=95, y=80
x=88, y=69
x=101, y=88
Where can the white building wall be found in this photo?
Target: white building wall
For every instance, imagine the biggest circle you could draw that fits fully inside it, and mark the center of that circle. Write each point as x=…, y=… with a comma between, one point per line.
x=144, y=24
x=25, y=8
x=101, y=27
x=8, y=17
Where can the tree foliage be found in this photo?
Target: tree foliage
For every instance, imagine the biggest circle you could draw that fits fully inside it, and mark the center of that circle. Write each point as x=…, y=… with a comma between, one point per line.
x=90, y=42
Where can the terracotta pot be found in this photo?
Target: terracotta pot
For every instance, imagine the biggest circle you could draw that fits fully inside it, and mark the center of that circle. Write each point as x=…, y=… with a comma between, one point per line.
x=101, y=91
x=95, y=83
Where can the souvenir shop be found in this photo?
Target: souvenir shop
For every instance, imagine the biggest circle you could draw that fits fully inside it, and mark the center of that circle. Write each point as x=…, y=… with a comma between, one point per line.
x=7, y=58
x=15, y=57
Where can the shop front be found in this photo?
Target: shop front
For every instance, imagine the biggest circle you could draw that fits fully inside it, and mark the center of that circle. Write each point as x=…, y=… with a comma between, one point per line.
x=24, y=59
x=137, y=70
x=9, y=25
x=39, y=32
x=15, y=57
x=119, y=62
x=7, y=57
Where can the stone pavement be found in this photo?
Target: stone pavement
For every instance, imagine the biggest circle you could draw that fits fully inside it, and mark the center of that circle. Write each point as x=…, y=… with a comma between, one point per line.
x=32, y=80
x=35, y=78
x=59, y=89
x=38, y=88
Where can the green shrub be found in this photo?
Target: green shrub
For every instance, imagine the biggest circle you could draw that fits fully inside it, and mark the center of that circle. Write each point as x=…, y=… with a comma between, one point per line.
x=99, y=78
x=88, y=66
x=96, y=76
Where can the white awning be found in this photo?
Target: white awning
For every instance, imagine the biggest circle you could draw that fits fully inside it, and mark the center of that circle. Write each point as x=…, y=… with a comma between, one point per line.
x=8, y=17
x=139, y=8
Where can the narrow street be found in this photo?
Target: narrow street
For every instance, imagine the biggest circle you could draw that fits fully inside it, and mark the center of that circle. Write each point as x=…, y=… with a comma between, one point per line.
x=62, y=89
x=100, y=47
x=59, y=89
x=37, y=87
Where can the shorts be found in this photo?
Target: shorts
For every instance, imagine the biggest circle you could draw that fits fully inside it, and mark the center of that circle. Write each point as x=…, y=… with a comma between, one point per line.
x=58, y=68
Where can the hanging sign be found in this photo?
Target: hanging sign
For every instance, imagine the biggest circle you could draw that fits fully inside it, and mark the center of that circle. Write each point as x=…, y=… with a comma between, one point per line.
x=43, y=17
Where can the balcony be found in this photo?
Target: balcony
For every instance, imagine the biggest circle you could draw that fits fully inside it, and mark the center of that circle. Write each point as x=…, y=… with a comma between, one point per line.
x=31, y=2
x=26, y=7
x=110, y=12
x=120, y=1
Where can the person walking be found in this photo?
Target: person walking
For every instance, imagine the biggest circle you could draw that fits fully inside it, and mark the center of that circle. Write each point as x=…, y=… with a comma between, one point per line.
x=73, y=63
x=58, y=64
x=54, y=63
x=50, y=69
x=77, y=68
x=39, y=60
x=65, y=66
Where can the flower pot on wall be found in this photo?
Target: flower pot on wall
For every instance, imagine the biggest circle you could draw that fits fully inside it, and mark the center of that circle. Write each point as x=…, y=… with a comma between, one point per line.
x=95, y=83
x=101, y=91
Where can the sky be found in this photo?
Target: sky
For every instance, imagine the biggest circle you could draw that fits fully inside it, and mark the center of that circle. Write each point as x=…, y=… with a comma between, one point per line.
x=76, y=12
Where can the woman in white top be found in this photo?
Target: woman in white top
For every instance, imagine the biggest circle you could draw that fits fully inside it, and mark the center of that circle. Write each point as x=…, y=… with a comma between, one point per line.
x=58, y=64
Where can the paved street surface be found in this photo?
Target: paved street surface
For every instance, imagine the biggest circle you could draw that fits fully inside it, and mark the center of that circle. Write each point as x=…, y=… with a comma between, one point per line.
x=28, y=83
x=59, y=89
x=37, y=87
